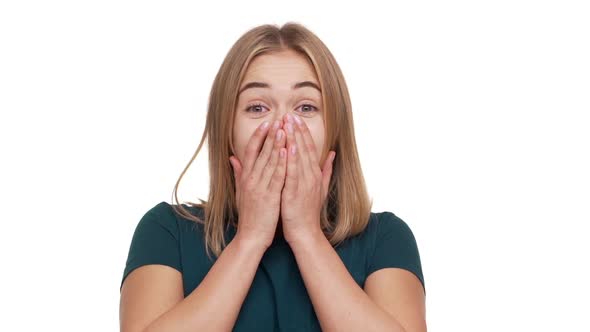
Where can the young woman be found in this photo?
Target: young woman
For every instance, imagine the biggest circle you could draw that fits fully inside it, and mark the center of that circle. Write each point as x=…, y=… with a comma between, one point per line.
x=288, y=220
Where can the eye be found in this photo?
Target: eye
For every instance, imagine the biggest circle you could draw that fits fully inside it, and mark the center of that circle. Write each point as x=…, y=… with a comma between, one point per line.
x=309, y=105
x=253, y=106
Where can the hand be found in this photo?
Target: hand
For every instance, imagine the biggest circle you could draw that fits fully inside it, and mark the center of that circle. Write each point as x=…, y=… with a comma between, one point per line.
x=259, y=183
x=306, y=185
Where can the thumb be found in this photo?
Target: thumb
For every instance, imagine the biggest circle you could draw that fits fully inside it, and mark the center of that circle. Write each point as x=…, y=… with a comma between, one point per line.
x=327, y=172
x=237, y=168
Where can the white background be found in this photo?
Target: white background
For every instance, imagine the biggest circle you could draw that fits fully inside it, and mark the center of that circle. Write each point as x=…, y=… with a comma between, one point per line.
x=471, y=119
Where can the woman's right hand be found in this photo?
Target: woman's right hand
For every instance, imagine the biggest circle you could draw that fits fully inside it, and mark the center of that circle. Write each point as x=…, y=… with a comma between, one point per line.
x=259, y=182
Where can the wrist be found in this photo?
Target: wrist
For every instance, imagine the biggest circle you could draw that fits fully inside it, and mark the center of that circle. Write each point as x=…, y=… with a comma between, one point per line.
x=249, y=243
x=306, y=238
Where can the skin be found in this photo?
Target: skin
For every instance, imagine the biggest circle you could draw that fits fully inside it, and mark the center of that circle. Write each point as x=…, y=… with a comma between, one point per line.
x=281, y=70
x=392, y=300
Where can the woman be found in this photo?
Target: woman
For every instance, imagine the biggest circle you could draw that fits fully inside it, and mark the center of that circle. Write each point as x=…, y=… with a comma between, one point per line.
x=296, y=246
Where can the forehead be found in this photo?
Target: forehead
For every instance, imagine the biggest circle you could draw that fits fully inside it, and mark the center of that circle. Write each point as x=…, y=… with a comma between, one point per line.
x=281, y=68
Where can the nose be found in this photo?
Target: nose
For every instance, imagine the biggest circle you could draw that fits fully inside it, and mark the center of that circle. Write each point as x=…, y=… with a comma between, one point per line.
x=281, y=116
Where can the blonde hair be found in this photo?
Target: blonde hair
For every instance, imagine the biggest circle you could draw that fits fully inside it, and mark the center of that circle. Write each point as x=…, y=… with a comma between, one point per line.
x=346, y=210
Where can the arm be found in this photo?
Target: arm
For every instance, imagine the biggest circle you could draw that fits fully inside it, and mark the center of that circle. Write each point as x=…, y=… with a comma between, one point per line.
x=401, y=294
x=340, y=304
x=212, y=306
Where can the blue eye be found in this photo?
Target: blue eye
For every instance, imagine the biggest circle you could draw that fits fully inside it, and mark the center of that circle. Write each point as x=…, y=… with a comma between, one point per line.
x=314, y=108
x=249, y=107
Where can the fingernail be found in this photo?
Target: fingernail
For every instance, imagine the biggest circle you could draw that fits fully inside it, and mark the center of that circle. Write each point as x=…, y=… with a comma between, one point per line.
x=297, y=119
x=264, y=125
x=289, y=118
x=276, y=125
x=290, y=127
x=279, y=134
x=293, y=149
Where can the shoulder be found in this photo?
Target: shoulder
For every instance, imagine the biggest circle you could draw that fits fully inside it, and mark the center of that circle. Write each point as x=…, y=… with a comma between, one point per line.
x=387, y=228
x=165, y=219
x=162, y=209
x=159, y=235
x=170, y=214
x=165, y=209
x=387, y=222
x=392, y=244
x=155, y=240
x=161, y=215
x=383, y=224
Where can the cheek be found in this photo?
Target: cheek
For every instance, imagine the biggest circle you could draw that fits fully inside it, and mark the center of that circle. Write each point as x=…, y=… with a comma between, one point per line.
x=317, y=133
x=241, y=137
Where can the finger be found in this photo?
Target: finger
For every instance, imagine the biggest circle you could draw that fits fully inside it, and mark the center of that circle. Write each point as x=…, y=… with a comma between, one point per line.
x=253, y=147
x=269, y=170
x=309, y=143
x=278, y=178
x=265, y=154
x=304, y=164
x=237, y=168
x=327, y=173
x=291, y=177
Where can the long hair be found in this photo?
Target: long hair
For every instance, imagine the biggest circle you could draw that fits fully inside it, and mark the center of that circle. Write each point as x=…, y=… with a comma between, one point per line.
x=346, y=210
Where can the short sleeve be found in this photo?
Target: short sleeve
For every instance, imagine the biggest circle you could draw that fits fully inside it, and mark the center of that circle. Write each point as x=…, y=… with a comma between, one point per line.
x=395, y=246
x=155, y=241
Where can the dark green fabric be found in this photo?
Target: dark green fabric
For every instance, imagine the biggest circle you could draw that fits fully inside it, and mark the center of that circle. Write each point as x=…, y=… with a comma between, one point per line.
x=277, y=299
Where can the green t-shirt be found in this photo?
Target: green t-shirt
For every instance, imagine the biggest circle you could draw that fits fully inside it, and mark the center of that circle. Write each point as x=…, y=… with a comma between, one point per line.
x=277, y=299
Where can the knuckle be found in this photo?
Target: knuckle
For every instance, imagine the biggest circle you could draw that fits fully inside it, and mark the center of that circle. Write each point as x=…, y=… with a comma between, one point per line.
x=250, y=150
x=288, y=195
x=317, y=185
x=264, y=153
x=317, y=174
x=275, y=154
x=272, y=136
x=250, y=185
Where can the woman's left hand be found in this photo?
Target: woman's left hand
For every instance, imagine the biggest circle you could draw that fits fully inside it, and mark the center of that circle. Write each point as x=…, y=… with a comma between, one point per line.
x=306, y=185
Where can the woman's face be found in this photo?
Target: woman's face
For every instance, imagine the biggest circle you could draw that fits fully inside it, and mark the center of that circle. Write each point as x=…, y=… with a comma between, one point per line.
x=279, y=73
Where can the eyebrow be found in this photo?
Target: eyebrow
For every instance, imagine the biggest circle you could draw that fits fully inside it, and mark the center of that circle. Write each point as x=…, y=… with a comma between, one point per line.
x=250, y=85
